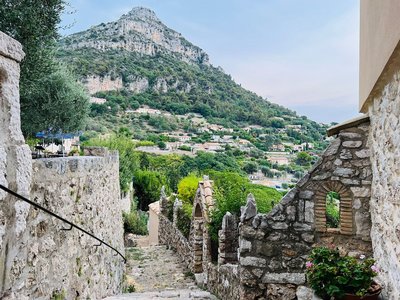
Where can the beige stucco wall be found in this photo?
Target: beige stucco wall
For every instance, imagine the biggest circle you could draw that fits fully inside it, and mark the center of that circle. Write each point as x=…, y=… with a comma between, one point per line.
x=154, y=211
x=380, y=34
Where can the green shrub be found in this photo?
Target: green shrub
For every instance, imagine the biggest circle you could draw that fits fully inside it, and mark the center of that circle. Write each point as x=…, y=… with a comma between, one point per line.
x=332, y=275
x=135, y=222
x=128, y=157
x=184, y=218
x=185, y=148
x=147, y=185
x=187, y=188
x=230, y=193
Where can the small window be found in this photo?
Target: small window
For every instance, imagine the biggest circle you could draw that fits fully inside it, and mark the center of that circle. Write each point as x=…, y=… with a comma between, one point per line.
x=332, y=210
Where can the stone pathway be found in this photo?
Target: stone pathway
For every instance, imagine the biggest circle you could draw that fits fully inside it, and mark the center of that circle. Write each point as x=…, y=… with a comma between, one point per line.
x=156, y=273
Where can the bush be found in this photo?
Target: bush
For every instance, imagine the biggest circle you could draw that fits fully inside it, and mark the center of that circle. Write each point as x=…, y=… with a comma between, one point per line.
x=187, y=188
x=185, y=148
x=184, y=218
x=332, y=275
x=135, y=222
x=128, y=158
x=230, y=193
x=147, y=185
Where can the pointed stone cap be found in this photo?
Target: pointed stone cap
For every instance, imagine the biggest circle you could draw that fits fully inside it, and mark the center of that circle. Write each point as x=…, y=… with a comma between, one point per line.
x=250, y=210
x=163, y=194
x=177, y=203
x=228, y=221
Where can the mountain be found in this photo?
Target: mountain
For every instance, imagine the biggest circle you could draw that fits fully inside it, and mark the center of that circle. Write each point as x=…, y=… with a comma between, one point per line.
x=137, y=60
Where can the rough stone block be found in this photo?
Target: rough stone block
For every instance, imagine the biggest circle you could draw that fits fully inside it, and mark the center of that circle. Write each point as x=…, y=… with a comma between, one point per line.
x=309, y=238
x=350, y=135
x=294, y=278
x=281, y=291
x=352, y=144
x=302, y=227
x=279, y=225
x=309, y=211
x=291, y=213
x=11, y=48
x=344, y=172
x=345, y=154
x=332, y=148
x=304, y=293
x=365, y=153
x=244, y=246
x=250, y=261
x=361, y=191
x=306, y=194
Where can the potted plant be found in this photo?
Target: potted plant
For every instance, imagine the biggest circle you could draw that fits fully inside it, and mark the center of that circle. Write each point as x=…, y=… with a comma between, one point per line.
x=332, y=276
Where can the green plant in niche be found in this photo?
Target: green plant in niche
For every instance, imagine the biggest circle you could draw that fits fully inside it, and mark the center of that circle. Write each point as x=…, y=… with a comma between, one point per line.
x=332, y=210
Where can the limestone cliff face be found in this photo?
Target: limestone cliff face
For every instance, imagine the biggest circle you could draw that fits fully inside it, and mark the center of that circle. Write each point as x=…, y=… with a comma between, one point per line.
x=141, y=31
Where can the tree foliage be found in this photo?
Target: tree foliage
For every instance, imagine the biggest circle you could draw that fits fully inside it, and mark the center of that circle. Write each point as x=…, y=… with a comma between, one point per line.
x=50, y=97
x=57, y=102
x=147, y=185
x=231, y=190
x=187, y=188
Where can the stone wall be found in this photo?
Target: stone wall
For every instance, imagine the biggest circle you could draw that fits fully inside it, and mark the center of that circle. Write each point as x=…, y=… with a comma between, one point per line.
x=170, y=235
x=38, y=260
x=223, y=280
x=385, y=202
x=264, y=255
x=84, y=190
x=274, y=247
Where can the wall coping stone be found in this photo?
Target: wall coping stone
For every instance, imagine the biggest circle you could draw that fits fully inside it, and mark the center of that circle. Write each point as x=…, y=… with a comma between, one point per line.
x=11, y=48
x=347, y=124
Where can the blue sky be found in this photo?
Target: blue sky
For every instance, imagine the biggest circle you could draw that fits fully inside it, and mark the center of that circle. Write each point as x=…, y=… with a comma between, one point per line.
x=302, y=54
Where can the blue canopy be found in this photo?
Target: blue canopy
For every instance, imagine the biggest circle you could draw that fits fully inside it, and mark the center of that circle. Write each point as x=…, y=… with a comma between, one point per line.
x=48, y=135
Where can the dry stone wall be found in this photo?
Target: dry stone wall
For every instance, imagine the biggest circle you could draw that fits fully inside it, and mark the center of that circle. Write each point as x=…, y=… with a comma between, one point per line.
x=171, y=236
x=274, y=247
x=263, y=256
x=385, y=202
x=37, y=259
x=84, y=190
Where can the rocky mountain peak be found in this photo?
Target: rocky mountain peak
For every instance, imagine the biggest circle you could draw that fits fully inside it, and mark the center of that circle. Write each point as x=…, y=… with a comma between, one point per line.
x=142, y=13
x=139, y=31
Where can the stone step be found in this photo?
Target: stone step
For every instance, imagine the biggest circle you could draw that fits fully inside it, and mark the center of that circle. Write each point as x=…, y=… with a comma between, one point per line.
x=168, y=294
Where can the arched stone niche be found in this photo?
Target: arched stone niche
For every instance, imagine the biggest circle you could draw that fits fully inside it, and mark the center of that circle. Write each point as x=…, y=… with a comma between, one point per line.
x=345, y=208
x=198, y=211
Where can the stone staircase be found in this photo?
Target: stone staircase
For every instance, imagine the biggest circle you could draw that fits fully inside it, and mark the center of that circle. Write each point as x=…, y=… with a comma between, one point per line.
x=155, y=272
x=167, y=294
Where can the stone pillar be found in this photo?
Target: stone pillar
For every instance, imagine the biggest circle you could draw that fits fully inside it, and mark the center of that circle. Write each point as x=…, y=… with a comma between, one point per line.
x=177, y=207
x=228, y=240
x=198, y=224
x=15, y=167
x=163, y=202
